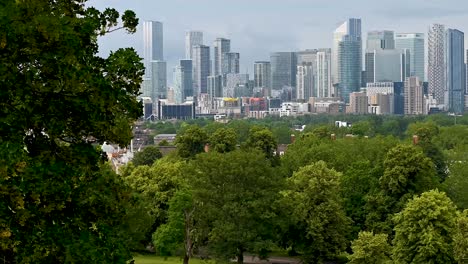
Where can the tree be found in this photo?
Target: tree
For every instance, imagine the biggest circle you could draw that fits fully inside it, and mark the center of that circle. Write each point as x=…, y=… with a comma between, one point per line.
x=263, y=140
x=460, y=240
x=424, y=230
x=58, y=201
x=147, y=156
x=223, y=140
x=315, y=204
x=236, y=193
x=370, y=248
x=191, y=141
x=456, y=183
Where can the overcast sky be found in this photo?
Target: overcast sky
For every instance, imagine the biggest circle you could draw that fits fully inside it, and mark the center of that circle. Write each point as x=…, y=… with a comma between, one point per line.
x=258, y=27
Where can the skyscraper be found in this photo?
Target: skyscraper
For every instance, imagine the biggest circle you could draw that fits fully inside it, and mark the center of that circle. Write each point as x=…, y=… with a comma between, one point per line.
x=466, y=75
x=414, y=96
x=323, y=84
x=215, y=86
x=436, y=62
x=283, y=70
x=348, y=51
x=414, y=42
x=221, y=46
x=158, y=80
x=152, y=44
x=304, y=81
x=455, y=71
x=380, y=40
x=386, y=65
x=187, y=68
x=201, y=69
x=262, y=75
x=179, y=84
x=192, y=38
x=237, y=85
x=231, y=62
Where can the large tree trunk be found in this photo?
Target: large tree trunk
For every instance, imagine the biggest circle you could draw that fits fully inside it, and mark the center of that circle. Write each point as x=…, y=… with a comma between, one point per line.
x=188, y=236
x=186, y=258
x=240, y=256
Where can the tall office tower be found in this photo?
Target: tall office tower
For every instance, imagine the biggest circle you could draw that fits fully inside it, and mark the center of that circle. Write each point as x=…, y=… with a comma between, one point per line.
x=414, y=96
x=192, y=38
x=358, y=103
x=215, y=86
x=436, y=62
x=304, y=81
x=455, y=71
x=349, y=30
x=348, y=52
x=237, y=85
x=380, y=40
x=187, y=68
x=386, y=65
x=158, y=80
x=152, y=44
x=414, y=42
x=466, y=76
x=221, y=46
x=231, y=62
x=283, y=70
x=201, y=69
x=323, y=85
x=262, y=74
x=179, y=78
x=307, y=56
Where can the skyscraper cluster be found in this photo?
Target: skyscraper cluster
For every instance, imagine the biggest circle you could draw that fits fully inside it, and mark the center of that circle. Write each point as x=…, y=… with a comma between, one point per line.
x=386, y=68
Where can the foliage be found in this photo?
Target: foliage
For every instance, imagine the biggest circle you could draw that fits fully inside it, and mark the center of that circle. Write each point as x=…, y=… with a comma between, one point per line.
x=223, y=140
x=147, y=156
x=263, y=140
x=370, y=248
x=236, y=193
x=460, y=240
x=58, y=201
x=313, y=198
x=457, y=181
x=424, y=230
x=191, y=141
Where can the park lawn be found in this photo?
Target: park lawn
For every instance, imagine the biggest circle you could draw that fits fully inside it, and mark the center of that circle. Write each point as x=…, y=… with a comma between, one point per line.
x=151, y=259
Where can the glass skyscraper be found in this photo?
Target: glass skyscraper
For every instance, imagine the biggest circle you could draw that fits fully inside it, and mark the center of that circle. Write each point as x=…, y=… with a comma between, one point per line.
x=221, y=46
x=349, y=57
x=192, y=38
x=323, y=83
x=187, y=68
x=152, y=44
x=414, y=42
x=201, y=69
x=455, y=71
x=380, y=40
x=283, y=70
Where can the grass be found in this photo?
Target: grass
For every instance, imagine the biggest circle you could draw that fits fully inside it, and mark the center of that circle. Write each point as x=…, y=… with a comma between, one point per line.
x=151, y=259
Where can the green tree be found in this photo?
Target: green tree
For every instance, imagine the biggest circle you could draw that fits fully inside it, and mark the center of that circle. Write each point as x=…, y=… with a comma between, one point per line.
x=147, y=156
x=456, y=183
x=223, y=140
x=58, y=201
x=460, y=240
x=263, y=140
x=236, y=193
x=370, y=248
x=315, y=204
x=191, y=141
x=424, y=230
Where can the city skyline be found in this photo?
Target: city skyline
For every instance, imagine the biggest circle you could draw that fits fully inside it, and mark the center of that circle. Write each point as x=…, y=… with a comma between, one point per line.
x=255, y=36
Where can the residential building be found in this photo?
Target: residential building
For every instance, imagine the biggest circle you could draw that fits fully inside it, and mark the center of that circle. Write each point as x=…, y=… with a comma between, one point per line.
x=283, y=70
x=179, y=78
x=192, y=38
x=231, y=62
x=237, y=85
x=221, y=46
x=304, y=81
x=436, y=62
x=215, y=86
x=358, y=103
x=414, y=97
x=262, y=75
x=323, y=84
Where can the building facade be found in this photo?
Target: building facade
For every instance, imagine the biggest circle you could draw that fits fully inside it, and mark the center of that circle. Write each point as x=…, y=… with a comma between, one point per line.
x=380, y=40
x=436, y=62
x=358, y=102
x=262, y=75
x=201, y=69
x=215, y=86
x=231, y=62
x=304, y=81
x=414, y=97
x=152, y=44
x=158, y=80
x=221, y=46
x=323, y=84
x=415, y=44
x=187, y=68
x=283, y=70
x=455, y=71
x=179, y=77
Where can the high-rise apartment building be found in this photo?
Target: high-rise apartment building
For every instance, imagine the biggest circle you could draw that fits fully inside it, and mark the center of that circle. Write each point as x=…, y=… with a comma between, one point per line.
x=304, y=81
x=414, y=96
x=237, y=85
x=414, y=43
x=358, y=103
x=192, y=38
x=380, y=40
x=187, y=68
x=348, y=54
x=231, y=62
x=436, y=62
x=201, y=69
x=283, y=70
x=215, y=86
x=178, y=88
x=323, y=84
x=455, y=71
x=152, y=44
x=262, y=74
x=221, y=46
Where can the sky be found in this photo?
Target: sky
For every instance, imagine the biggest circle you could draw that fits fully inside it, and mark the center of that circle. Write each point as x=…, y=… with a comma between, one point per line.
x=258, y=27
